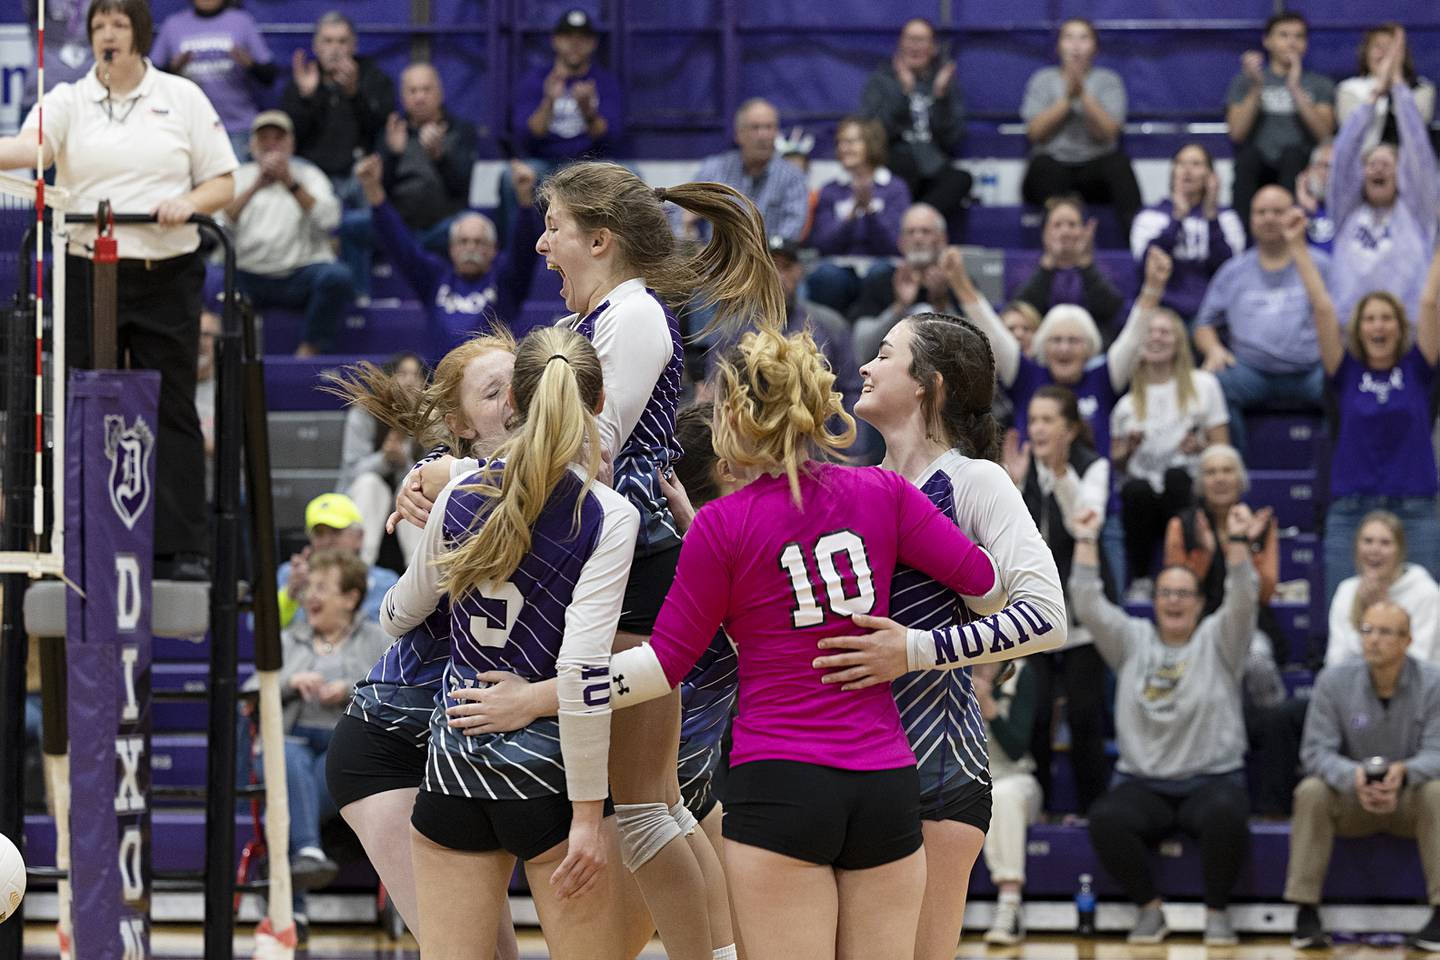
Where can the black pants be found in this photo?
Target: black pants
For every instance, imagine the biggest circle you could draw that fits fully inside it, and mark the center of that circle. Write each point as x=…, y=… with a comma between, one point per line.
x=157, y=319
x=1144, y=514
x=1253, y=171
x=1106, y=180
x=1125, y=821
x=1275, y=734
x=946, y=189
x=1080, y=674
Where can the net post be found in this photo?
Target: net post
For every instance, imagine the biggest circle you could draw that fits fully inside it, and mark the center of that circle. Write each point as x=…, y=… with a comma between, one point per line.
x=106, y=265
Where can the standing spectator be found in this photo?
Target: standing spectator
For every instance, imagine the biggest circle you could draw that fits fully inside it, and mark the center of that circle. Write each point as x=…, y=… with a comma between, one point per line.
x=339, y=102
x=1074, y=114
x=1386, y=705
x=172, y=159
x=1178, y=723
x=334, y=524
x=1382, y=388
x=1377, y=51
x=857, y=215
x=1382, y=573
x=570, y=109
x=477, y=287
x=1276, y=112
x=1009, y=712
x=1384, y=201
x=1310, y=189
x=757, y=170
x=915, y=285
x=1264, y=301
x=1191, y=227
x=219, y=46
x=67, y=45
x=1067, y=271
x=914, y=96
x=1157, y=432
x=281, y=218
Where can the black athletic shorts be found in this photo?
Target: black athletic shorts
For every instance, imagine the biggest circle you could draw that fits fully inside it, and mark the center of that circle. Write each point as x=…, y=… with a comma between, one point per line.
x=850, y=819
x=650, y=579
x=525, y=828
x=365, y=759
x=969, y=803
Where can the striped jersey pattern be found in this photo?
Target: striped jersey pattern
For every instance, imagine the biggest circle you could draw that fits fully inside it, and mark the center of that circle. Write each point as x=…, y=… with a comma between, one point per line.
x=651, y=446
x=516, y=626
x=937, y=707
x=707, y=695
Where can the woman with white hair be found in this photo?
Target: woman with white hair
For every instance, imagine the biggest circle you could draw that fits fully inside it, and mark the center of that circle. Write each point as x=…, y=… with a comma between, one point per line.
x=1157, y=432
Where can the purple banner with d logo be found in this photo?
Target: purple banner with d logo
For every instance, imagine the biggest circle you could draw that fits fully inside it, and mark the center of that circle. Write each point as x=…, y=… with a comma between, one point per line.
x=110, y=482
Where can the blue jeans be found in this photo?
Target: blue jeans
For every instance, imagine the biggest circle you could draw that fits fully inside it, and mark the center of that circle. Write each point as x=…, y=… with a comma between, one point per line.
x=833, y=286
x=1342, y=523
x=323, y=290
x=1246, y=388
x=310, y=803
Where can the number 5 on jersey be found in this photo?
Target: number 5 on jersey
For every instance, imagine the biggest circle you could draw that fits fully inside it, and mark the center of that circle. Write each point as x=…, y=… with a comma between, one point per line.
x=795, y=563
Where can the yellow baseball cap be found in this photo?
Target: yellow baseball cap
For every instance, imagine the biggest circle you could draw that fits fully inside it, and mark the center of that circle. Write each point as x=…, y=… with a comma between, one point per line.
x=332, y=510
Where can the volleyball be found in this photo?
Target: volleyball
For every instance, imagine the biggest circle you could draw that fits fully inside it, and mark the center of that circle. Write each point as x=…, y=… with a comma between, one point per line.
x=12, y=878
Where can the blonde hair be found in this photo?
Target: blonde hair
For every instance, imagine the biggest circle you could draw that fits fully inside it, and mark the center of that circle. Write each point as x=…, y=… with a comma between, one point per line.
x=733, y=272
x=1352, y=336
x=426, y=413
x=774, y=401
x=558, y=386
x=1396, y=527
x=1182, y=368
x=1061, y=314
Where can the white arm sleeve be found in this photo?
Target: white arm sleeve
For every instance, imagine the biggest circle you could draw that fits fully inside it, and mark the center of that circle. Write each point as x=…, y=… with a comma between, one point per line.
x=582, y=670
x=636, y=677
x=1002, y=343
x=1016, y=631
x=416, y=594
x=1124, y=353
x=1076, y=494
x=463, y=466
x=633, y=342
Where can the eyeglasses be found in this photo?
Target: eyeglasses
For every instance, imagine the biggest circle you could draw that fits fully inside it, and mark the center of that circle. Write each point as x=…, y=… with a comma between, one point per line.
x=1174, y=593
x=1366, y=629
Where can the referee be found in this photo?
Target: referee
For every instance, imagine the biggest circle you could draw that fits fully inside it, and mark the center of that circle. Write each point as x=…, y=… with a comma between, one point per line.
x=147, y=141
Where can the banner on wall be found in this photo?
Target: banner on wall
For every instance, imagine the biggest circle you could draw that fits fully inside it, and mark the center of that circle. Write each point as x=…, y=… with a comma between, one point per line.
x=110, y=483
x=16, y=64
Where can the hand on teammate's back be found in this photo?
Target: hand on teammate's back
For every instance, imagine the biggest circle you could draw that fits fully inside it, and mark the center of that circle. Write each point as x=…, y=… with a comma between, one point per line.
x=877, y=657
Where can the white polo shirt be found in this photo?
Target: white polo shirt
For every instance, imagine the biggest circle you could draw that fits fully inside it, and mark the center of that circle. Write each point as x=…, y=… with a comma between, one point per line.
x=157, y=143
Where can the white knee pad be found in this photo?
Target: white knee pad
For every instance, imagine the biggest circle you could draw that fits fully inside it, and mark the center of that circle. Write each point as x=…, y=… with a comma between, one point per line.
x=684, y=819
x=645, y=829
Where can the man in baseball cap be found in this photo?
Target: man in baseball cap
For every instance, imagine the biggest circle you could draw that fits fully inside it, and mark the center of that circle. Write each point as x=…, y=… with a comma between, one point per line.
x=333, y=522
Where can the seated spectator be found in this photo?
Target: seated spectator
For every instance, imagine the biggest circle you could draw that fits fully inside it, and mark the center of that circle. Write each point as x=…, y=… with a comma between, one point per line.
x=219, y=46
x=857, y=215
x=1276, y=112
x=1022, y=320
x=1383, y=201
x=915, y=285
x=1074, y=114
x=1264, y=301
x=1067, y=271
x=333, y=523
x=1382, y=573
x=339, y=102
x=427, y=156
x=563, y=111
x=1382, y=386
x=757, y=170
x=1015, y=796
x=1178, y=724
x=323, y=656
x=1067, y=349
x=210, y=330
x=378, y=478
x=1062, y=475
x=477, y=288
x=361, y=439
x=1381, y=707
x=1191, y=227
x=1375, y=55
x=1310, y=189
x=914, y=96
x=1157, y=432
x=281, y=218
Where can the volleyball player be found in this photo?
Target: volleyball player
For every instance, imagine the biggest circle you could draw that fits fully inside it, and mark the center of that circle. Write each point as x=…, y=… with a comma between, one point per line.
x=534, y=556
x=928, y=392
x=377, y=754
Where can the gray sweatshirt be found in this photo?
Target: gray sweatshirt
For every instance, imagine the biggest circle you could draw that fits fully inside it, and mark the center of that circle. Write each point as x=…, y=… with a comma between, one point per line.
x=350, y=661
x=1347, y=723
x=1177, y=708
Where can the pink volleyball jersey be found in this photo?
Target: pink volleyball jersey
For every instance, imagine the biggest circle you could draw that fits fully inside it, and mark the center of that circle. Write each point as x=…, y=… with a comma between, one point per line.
x=780, y=578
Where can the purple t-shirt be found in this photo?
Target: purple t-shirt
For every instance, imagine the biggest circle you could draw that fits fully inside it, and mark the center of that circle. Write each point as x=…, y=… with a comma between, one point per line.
x=209, y=41
x=1383, y=446
x=566, y=138
x=1094, y=394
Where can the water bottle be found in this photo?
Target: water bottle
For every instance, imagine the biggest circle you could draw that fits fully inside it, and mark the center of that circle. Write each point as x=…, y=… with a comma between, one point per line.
x=1085, y=907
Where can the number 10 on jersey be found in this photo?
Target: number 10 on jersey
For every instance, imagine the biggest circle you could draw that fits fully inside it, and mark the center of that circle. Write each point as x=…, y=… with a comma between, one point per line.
x=821, y=558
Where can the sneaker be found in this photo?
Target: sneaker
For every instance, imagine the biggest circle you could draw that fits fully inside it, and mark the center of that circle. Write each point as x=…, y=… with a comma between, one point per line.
x=1149, y=926
x=1309, y=932
x=1008, y=926
x=1218, y=932
x=302, y=930
x=310, y=869
x=1141, y=590
x=1428, y=939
